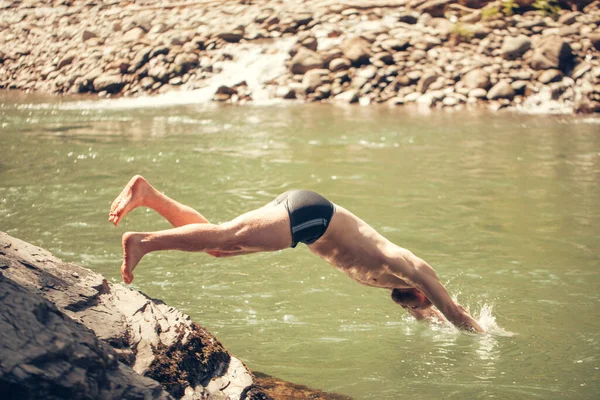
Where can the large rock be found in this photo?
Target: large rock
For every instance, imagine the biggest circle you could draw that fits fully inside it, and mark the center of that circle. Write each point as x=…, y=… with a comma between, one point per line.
x=47, y=355
x=156, y=340
x=110, y=83
x=305, y=60
x=552, y=53
x=426, y=80
x=515, y=47
x=476, y=79
x=356, y=49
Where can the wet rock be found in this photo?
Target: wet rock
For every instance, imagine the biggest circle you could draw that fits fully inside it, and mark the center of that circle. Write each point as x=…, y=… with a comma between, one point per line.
x=552, y=52
x=501, y=90
x=305, y=60
x=357, y=50
x=514, y=47
x=519, y=86
x=551, y=75
x=108, y=83
x=476, y=78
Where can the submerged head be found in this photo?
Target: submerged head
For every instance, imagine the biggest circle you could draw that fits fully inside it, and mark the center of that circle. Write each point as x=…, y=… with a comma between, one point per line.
x=411, y=298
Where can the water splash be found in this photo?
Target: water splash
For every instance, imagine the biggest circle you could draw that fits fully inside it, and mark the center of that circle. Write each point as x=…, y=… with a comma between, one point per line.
x=487, y=320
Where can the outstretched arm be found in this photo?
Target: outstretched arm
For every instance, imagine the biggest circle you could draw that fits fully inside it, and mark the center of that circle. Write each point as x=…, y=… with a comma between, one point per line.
x=419, y=274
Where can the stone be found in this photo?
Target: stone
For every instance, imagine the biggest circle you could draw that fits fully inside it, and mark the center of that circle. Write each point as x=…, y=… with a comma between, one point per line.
x=552, y=53
x=383, y=58
x=501, y=90
x=313, y=79
x=395, y=44
x=159, y=73
x=348, y=97
x=519, y=86
x=568, y=18
x=476, y=79
x=411, y=97
x=305, y=60
x=357, y=50
x=514, y=47
x=435, y=8
x=185, y=62
x=87, y=35
x=450, y=101
x=134, y=35
x=478, y=93
x=581, y=69
x=426, y=80
x=140, y=59
x=551, y=75
x=147, y=82
x=66, y=60
x=109, y=83
x=339, y=64
x=233, y=36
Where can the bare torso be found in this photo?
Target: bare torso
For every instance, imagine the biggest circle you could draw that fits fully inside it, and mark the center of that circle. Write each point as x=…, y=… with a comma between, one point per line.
x=358, y=250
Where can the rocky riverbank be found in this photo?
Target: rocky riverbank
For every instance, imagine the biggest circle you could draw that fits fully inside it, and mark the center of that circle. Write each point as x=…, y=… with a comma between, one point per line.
x=66, y=333
x=540, y=56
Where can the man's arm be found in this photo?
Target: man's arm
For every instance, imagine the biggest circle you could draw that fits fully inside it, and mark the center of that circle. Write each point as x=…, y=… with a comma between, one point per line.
x=419, y=274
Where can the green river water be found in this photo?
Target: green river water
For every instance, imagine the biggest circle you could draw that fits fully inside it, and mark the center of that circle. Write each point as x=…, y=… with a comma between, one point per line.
x=504, y=206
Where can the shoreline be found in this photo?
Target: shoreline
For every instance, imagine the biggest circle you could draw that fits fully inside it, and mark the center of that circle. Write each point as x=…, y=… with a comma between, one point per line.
x=436, y=53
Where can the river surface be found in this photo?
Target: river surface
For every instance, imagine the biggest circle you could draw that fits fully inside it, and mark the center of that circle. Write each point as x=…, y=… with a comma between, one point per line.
x=504, y=206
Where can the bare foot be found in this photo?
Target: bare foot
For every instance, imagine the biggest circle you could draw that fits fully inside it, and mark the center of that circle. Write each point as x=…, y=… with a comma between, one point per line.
x=132, y=254
x=132, y=196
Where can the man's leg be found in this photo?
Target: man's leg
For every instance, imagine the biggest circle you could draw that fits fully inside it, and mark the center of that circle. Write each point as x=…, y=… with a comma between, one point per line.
x=265, y=229
x=139, y=193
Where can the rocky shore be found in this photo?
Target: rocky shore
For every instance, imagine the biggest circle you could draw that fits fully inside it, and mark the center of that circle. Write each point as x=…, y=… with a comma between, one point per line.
x=540, y=55
x=67, y=333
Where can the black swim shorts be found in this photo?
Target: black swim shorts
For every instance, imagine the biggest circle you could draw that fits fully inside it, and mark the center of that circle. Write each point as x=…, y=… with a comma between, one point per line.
x=310, y=214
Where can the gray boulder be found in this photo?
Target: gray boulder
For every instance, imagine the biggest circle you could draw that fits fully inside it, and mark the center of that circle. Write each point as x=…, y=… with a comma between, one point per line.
x=552, y=52
x=515, y=47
